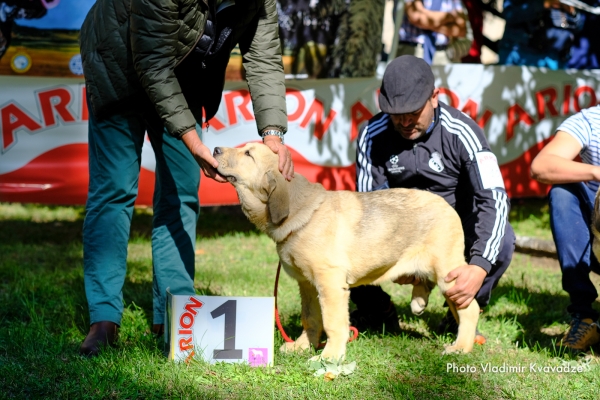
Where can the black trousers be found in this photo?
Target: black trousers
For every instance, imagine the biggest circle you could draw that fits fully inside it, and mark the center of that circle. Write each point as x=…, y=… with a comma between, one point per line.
x=373, y=298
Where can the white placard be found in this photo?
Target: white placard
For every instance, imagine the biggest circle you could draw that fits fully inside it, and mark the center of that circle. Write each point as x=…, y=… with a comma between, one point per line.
x=491, y=177
x=218, y=328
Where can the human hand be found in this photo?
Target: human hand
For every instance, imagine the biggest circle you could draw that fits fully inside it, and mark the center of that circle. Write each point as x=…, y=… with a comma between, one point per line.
x=202, y=155
x=469, y=279
x=286, y=165
x=408, y=280
x=559, y=5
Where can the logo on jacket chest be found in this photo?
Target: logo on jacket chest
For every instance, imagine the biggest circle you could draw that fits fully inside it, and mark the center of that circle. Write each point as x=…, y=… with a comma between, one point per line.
x=436, y=163
x=393, y=168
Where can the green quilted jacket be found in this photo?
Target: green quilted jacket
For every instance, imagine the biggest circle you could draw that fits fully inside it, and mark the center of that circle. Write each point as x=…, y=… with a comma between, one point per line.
x=132, y=47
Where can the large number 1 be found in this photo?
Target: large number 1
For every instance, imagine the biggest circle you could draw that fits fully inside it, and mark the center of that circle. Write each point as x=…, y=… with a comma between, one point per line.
x=229, y=351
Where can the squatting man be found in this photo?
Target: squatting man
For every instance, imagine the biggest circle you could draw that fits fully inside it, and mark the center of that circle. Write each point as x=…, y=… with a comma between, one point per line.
x=419, y=142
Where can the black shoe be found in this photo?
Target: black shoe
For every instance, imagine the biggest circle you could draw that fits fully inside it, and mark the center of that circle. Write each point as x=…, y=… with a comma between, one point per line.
x=101, y=334
x=377, y=321
x=158, y=330
x=449, y=325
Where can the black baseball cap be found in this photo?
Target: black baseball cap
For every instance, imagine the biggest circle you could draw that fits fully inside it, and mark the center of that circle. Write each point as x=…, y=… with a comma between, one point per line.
x=406, y=85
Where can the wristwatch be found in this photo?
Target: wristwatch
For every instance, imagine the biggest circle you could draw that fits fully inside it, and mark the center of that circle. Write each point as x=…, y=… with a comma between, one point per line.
x=272, y=132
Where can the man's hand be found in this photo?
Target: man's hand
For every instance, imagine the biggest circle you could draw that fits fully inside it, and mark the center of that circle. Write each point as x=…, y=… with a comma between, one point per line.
x=286, y=166
x=202, y=155
x=408, y=280
x=469, y=279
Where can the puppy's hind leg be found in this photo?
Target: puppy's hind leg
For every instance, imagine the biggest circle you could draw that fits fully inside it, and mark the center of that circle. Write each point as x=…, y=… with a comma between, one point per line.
x=312, y=320
x=420, y=297
x=467, y=319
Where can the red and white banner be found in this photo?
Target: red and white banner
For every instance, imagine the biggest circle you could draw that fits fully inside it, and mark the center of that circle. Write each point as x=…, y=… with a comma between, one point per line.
x=43, y=127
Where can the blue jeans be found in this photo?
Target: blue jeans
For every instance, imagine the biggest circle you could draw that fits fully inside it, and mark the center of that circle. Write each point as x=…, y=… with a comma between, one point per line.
x=571, y=208
x=115, y=145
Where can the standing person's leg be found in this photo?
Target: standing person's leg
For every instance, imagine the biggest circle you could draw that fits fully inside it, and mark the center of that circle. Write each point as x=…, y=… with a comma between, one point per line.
x=176, y=209
x=115, y=145
x=571, y=208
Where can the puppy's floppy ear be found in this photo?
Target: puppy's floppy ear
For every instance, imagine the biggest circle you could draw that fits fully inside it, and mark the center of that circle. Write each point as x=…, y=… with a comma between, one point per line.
x=278, y=199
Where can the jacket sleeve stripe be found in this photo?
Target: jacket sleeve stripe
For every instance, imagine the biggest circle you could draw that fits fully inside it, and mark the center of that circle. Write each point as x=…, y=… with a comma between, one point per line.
x=464, y=132
x=365, y=175
x=502, y=231
x=492, y=247
x=503, y=220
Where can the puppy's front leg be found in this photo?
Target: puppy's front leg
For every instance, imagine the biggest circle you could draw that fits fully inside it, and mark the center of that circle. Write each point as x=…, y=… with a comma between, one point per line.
x=312, y=321
x=334, y=295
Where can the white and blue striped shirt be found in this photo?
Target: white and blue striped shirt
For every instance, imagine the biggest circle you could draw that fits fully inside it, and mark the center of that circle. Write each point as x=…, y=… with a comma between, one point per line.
x=585, y=128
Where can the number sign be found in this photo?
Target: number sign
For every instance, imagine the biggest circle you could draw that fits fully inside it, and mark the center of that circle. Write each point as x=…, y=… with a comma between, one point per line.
x=215, y=328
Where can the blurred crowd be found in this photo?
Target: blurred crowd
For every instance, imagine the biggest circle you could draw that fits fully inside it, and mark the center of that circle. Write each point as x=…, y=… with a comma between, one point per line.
x=554, y=34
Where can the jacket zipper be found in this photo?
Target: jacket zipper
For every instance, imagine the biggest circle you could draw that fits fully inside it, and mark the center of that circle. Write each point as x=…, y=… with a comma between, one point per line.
x=195, y=43
x=415, y=154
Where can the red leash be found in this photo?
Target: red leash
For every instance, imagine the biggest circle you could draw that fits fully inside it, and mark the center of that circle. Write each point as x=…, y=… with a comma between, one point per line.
x=283, y=334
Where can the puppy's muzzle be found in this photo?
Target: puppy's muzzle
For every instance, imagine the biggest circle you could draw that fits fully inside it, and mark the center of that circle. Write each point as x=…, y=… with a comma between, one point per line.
x=217, y=152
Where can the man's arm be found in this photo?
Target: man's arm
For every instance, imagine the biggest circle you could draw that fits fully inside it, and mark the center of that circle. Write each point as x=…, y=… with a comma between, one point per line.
x=261, y=57
x=451, y=24
x=154, y=38
x=555, y=163
x=370, y=175
x=154, y=33
x=519, y=11
x=480, y=170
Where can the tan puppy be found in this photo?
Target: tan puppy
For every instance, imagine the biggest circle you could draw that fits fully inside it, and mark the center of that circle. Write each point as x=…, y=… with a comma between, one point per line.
x=330, y=241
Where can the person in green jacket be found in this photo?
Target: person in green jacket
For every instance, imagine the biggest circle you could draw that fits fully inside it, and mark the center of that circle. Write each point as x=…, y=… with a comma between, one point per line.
x=158, y=67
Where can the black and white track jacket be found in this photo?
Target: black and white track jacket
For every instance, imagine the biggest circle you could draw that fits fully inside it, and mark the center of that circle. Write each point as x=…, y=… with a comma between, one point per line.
x=452, y=160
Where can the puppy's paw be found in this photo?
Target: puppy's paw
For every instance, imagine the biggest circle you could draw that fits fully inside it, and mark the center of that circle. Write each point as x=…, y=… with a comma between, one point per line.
x=417, y=305
x=294, y=347
x=331, y=354
x=451, y=350
x=455, y=348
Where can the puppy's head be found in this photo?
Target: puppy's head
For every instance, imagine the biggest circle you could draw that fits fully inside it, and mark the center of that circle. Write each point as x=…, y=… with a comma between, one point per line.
x=253, y=171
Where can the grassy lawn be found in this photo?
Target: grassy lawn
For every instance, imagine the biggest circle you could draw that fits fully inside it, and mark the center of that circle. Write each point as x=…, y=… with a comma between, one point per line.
x=44, y=318
x=530, y=218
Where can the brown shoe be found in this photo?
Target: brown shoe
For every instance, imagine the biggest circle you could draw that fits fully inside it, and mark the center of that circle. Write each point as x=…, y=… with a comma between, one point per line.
x=158, y=329
x=103, y=333
x=582, y=334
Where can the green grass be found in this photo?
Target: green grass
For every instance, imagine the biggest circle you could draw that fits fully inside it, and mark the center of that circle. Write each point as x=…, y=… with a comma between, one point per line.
x=44, y=318
x=531, y=218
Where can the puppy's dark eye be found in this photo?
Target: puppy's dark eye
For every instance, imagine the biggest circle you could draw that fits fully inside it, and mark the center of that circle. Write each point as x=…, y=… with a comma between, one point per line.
x=247, y=153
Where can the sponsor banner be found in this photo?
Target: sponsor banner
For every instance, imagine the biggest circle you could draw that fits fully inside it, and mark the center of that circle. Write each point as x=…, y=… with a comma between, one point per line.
x=43, y=127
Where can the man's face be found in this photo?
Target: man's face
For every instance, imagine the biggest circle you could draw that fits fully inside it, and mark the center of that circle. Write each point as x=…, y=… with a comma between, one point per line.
x=414, y=125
